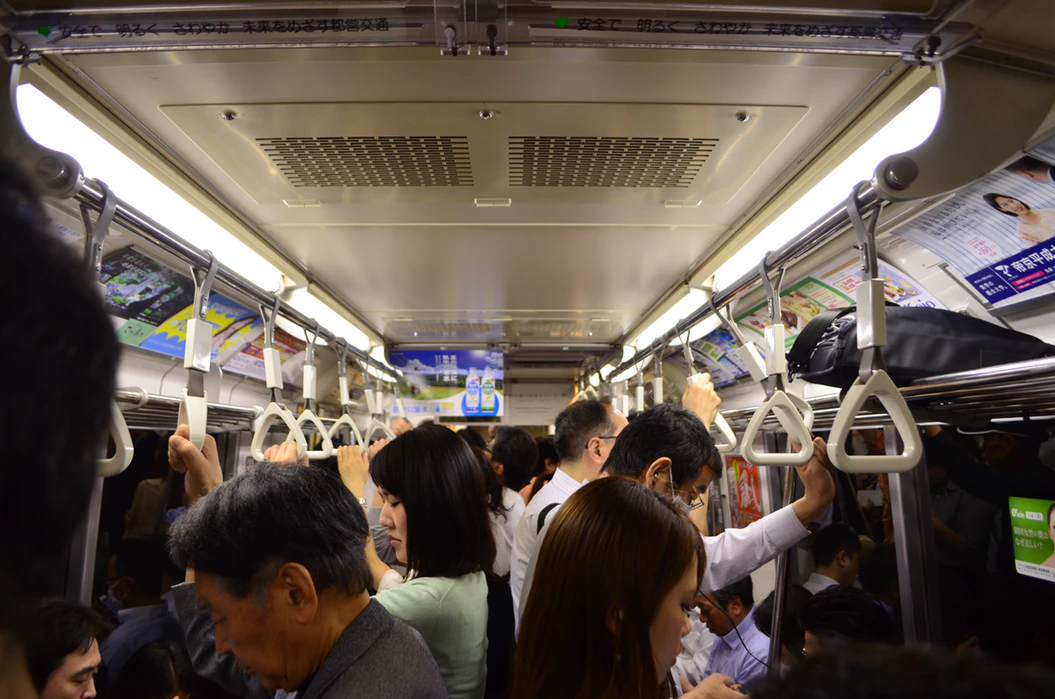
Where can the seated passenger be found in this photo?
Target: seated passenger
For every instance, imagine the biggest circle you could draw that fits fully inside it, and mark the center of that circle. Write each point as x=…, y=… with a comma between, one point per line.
x=741, y=650
x=66, y=372
x=792, y=637
x=160, y=670
x=513, y=455
x=62, y=649
x=585, y=433
x=276, y=557
x=836, y=556
x=617, y=575
x=907, y=673
x=547, y=463
x=840, y=614
x=135, y=582
x=435, y=509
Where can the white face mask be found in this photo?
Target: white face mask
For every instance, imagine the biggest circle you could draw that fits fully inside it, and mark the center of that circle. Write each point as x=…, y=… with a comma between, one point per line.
x=110, y=599
x=682, y=506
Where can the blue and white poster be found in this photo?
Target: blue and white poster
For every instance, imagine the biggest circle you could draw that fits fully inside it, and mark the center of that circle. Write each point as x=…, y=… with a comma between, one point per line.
x=998, y=233
x=451, y=383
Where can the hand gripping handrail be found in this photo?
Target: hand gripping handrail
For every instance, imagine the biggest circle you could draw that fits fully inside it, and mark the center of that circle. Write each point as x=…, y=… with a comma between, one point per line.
x=273, y=377
x=720, y=422
x=342, y=381
x=794, y=414
x=872, y=382
x=197, y=354
x=310, y=386
x=376, y=405
x=94, y=238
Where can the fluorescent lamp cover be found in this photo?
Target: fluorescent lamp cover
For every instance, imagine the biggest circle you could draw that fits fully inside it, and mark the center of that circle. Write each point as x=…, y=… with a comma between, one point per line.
x=314, y=307
x=689, y=303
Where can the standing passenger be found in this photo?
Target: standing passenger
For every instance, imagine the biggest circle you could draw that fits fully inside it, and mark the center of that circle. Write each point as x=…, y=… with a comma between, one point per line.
x=513, y=455
x=62, y=649
x=548, y=461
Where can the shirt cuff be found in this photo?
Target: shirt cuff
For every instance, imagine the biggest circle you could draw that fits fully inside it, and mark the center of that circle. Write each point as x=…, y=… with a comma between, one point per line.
x=784, y=529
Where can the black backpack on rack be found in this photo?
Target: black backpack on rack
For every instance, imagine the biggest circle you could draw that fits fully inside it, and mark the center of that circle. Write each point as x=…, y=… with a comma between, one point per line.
x=921, y=342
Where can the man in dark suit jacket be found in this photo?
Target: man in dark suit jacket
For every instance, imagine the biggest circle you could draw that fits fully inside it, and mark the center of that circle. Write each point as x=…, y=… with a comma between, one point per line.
x=275, y=557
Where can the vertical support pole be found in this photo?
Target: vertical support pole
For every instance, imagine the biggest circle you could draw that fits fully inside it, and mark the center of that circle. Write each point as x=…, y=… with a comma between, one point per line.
x=80, y=572
x=780, y=590
x=914, y=538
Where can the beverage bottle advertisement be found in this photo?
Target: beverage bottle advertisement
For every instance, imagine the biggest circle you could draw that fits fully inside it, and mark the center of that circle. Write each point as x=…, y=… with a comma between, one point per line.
x=451, y=383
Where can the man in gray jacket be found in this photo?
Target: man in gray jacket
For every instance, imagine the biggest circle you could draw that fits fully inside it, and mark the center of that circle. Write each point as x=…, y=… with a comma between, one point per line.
x=275, y=557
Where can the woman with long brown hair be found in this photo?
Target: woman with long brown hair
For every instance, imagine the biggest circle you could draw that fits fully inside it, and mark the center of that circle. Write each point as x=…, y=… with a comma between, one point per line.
x=615, y=579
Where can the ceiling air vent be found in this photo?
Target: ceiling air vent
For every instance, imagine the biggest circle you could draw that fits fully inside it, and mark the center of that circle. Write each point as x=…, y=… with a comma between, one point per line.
x=606, y=161
x=372, y=161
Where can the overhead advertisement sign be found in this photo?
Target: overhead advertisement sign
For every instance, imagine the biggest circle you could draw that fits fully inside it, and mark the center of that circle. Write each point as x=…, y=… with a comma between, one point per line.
x=998, y=233
x=451, y=383
x=1033, y=531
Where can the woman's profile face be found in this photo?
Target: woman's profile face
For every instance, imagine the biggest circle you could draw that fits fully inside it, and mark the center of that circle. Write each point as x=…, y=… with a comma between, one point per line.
x=1011, y=206
x=394, y=517
x=1051, y=525
x=672, y=622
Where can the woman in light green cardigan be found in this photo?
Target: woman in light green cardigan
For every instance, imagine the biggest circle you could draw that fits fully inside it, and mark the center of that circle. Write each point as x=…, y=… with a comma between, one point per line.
x=435, y=509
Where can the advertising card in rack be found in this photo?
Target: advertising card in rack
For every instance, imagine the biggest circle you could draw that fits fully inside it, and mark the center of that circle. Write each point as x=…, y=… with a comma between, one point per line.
x=451, y=383
x=745, y=491
x=998, y=233
x=1033, y=534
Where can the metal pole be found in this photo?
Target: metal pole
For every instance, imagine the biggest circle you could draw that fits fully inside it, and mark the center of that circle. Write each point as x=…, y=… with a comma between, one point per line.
x=80, y=573
x=780, y=590
x=914, y=539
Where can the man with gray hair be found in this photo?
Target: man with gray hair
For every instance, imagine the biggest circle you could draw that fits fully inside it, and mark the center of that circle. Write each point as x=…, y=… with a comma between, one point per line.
x=276, y=557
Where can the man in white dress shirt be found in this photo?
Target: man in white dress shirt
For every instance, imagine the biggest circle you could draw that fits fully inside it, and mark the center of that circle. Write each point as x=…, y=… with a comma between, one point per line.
x=585, y=432
x=836, y=557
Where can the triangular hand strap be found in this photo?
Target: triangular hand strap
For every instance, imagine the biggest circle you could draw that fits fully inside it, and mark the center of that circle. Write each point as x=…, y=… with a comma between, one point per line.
x=327, y=444
x=797, y=424
x=346, y=420
x=726, y=431
x=122, y=457
x=882, y=387
x=273, y=412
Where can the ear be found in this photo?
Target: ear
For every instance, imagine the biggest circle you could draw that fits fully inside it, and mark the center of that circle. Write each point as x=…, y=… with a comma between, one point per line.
x=498, y=467
x=735, y=607
x=614, y=619
x=661, y=464
x=294, y=589
x=843, y=559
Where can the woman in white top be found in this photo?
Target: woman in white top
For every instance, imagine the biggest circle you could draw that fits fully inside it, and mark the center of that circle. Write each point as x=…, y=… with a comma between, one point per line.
x=505, y=507
x=435, y=509
x=1034, y=225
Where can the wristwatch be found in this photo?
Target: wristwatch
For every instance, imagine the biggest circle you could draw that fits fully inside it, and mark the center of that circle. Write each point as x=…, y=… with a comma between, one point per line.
x=362, y=502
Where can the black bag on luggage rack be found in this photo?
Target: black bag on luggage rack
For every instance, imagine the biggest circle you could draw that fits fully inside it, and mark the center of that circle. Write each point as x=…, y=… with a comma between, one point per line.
x=921, y=342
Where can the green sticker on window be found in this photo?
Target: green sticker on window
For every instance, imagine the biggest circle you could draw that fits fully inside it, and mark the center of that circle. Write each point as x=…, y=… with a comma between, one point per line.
x=135, y=332
x=1033, y=533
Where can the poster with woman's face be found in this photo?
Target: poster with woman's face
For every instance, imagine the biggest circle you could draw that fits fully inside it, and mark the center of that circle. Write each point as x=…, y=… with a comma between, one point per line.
x=1033, y=534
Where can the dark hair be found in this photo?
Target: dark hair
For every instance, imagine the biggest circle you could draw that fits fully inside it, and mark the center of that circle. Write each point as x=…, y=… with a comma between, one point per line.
x=1050, y=511
x=831, y=541
x=492, y=483
x=792, y=636
x=67, y=371
x=578, y=424
x=742, y=589
x=142, y=560
x=437, y=477
x=906, y=673
x=57, y=628
x=473, y=438
x=546, y=451
x=614, y=546
x=846, y=613
x=539, y=482
x=665, y=431
x=878, y=569
x=515, y=449
x=1028, y=162
x=156, y=671
x=991, y=200
x=271, y=515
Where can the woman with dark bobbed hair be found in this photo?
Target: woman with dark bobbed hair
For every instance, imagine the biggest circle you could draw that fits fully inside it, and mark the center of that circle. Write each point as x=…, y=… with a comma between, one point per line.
x=616, y=576
x=435, y=509
x=1034, y=225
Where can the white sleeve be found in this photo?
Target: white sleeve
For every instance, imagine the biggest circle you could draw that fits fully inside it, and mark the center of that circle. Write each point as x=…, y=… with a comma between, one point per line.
x=736, y=553
x=523, y=545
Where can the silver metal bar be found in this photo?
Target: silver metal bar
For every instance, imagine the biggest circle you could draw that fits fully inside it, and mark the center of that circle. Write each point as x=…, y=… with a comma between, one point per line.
x=80, y=571
x=914, y=540
x=152, y=231
x=780, y=591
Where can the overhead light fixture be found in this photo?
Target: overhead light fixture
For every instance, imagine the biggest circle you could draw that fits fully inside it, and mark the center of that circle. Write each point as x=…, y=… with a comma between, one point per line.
x=693, y=298
x=606, y=371
x=595, y=380
x=312, y=306
x=53, y=127
x=482, y=203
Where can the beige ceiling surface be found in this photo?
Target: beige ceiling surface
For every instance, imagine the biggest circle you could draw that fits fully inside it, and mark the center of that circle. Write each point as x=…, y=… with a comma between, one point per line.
x=603, y=251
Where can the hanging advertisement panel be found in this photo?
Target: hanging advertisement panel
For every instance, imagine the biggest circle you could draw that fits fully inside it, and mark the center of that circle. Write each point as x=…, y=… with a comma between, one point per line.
x=451, y=383
x=998, y=233
x=250, y=361
x=143, y=293
x=232, y=323
x=745, y=489
x=1033, y=532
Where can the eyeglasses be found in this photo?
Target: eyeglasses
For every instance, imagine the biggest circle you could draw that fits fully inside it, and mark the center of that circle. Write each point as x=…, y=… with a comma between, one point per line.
x=695, y=502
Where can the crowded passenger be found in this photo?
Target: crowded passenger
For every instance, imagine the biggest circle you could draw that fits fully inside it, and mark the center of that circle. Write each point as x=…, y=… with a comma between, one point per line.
x=547, y=463
x=741, y=650
x=617, y=575
x=276, y=558
x=963, y=524
x=843, y=614
x=401, y=425
x=513, y=455
x=435, y=509
x=792, y=637
x=161, y=670
x=836, y=557
x=62, y=649
x=879, y=577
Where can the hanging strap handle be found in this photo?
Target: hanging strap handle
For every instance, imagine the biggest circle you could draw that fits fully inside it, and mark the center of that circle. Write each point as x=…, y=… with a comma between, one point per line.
x=275, y=411
x=720, y=423
x=273, y=377
x=308, y=415
x=94, y=240
x=746, y=350
x=197, y=355
x=873, y=382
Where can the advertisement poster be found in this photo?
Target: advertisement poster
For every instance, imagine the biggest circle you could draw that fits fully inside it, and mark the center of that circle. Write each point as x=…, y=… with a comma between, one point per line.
x=1033, y=527
x=456, y=383
x=845, y=275
x=232, y=323
x=800, y=303
x=250, y=361
x=143, y=292
x=745, y=488
x=999, y=233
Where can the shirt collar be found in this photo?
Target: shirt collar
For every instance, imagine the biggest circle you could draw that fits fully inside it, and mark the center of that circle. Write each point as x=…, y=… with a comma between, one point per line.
x=566, y=482
x=817, y=577
x=139, y=613
x=745, y=627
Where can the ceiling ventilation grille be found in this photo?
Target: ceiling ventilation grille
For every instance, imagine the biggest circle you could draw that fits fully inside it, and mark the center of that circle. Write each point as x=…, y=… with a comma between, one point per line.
x=606, y=161
x=372, y=161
